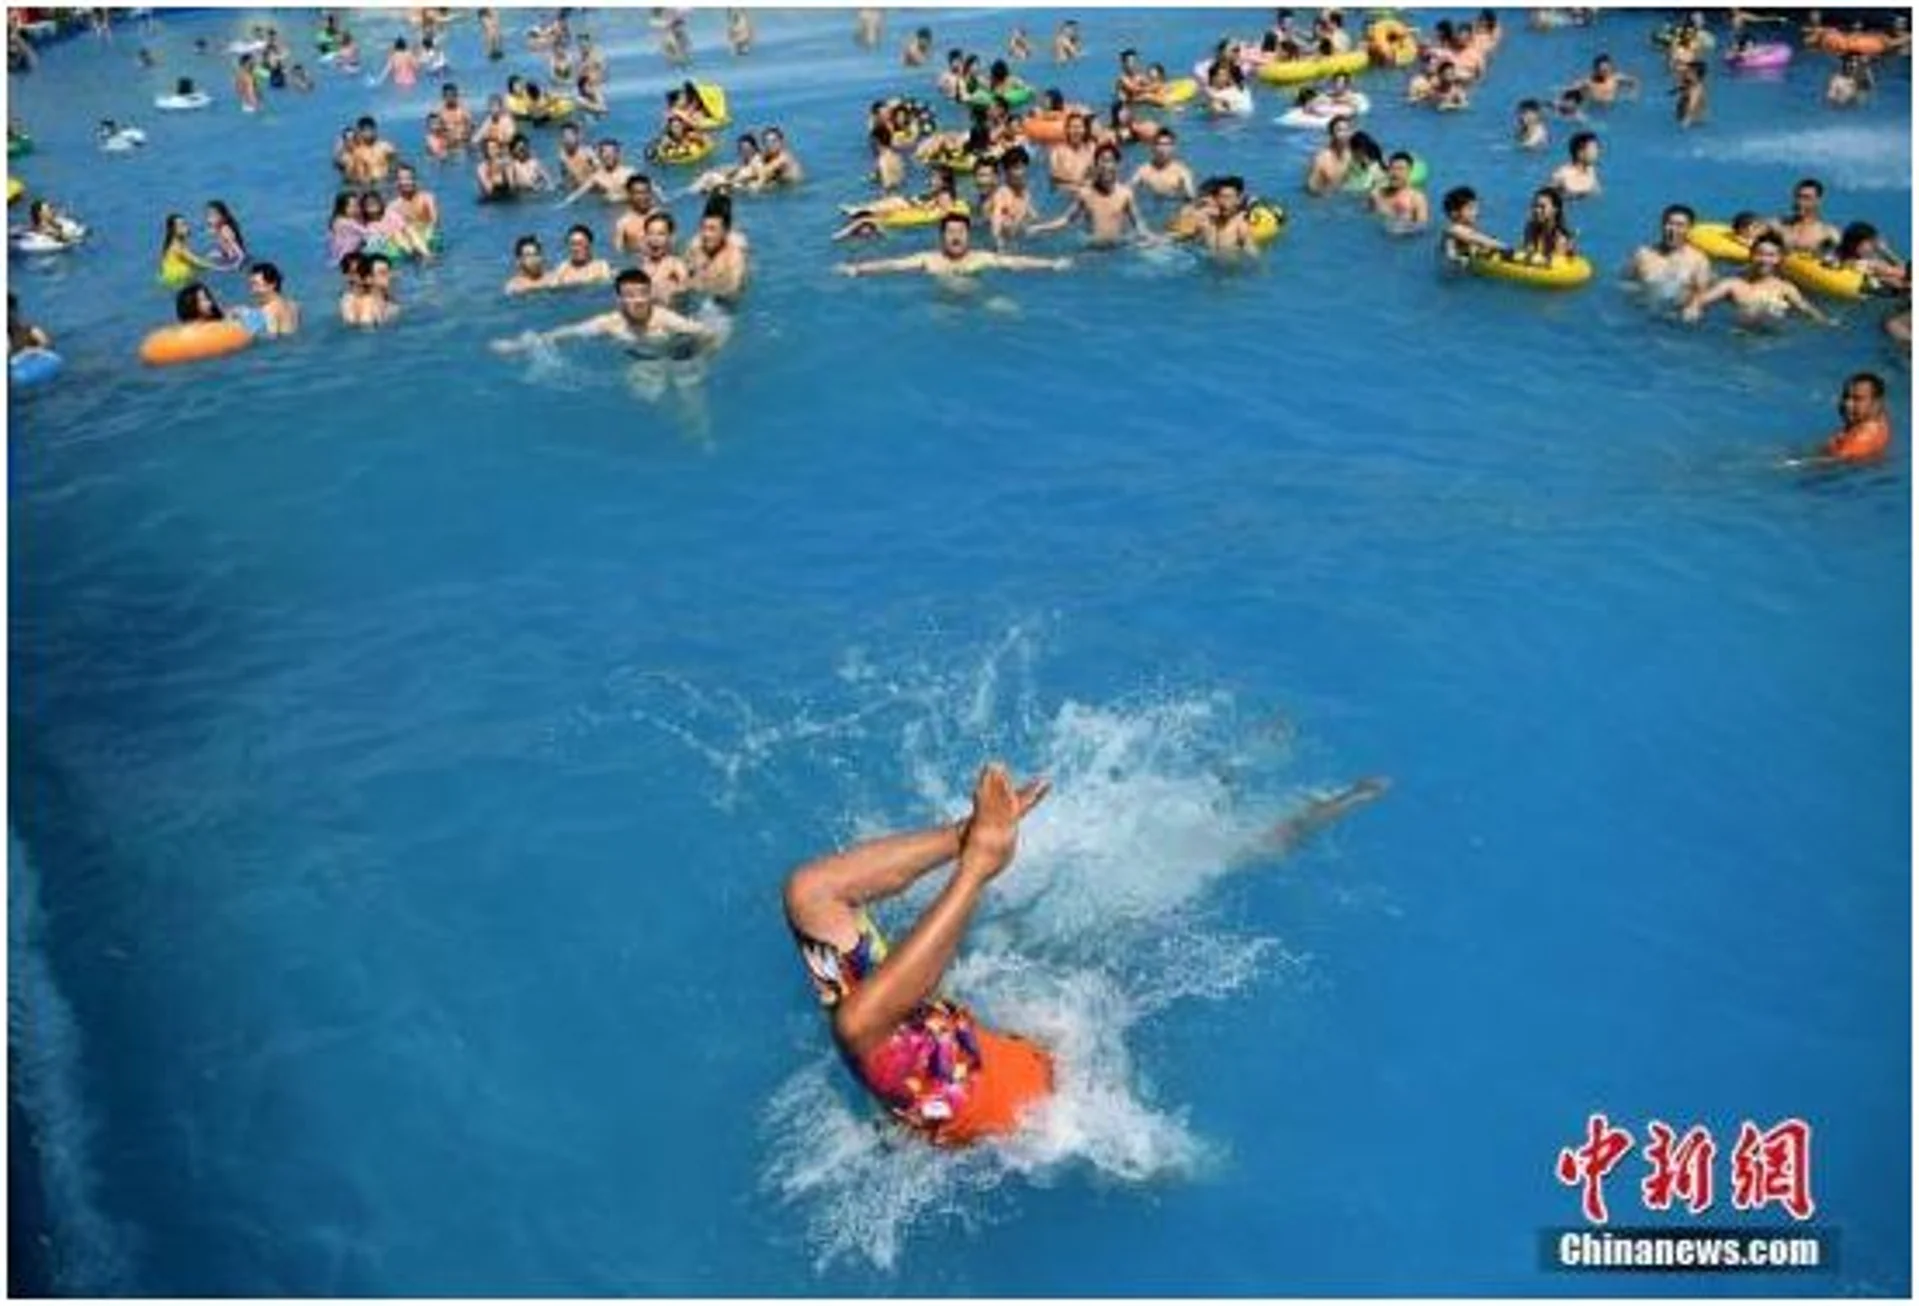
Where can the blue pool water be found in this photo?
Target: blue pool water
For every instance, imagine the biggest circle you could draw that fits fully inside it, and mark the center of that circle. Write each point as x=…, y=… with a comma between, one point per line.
x=408, y=743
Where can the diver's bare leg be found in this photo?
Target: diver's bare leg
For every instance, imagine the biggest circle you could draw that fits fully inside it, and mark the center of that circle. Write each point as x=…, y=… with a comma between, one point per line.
x=1322, y=812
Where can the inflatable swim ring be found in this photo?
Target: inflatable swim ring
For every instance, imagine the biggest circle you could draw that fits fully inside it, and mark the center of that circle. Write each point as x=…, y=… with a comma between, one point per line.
x=1715, y=240
x=238, y=48
x=1299, y=116
x=127, y=138
x=1776, y=54
x=1045, y=128
x=1266, y=220
x=1559, y=274
x=1291, y=72
x=1870, y=44
x=190, y=342
x=1177, y=91
x=551, y=108
x=919, y=215
x=1391, y=44
x=1359, y=181
x=713, y=101
x=182, y=103
x=28, y=241
x=15, y=189
x=1808, y=273
x=19, y=146
x=31, y=367
x=691, y=150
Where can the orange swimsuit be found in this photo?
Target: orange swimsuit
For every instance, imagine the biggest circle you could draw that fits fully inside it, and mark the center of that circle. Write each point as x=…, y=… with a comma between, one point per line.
x=939, y=1072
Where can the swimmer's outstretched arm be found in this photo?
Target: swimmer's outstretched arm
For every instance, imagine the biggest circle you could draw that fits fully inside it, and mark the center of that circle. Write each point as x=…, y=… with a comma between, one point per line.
x=875, y=267
x=605, y=324
x=1026, y=263
x=1705, y=299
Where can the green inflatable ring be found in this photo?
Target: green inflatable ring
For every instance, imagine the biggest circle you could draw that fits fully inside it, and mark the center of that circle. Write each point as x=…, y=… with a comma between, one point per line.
x=19, y=146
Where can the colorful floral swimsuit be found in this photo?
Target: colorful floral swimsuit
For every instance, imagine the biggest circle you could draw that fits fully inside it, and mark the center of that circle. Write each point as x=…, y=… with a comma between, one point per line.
x=924, y=1069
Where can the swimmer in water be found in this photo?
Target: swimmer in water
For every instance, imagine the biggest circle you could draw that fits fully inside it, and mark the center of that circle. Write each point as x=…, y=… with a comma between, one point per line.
x=1070, y=162
x=1759, y=295
x=1529, y=128
x=608, y=178
x=455, y=117
x=1104, y=205
x=637, y=322
x=918, y=48
x=1010, y=212
x=629, y=233
x=577, y=164
x=1689, y=93
x=368, y=159
x=280, y=314
x=1578, y=177
x=777, y=166
x=1849, y=84
x=1605, y=84
x=1066, y=42
x=1805, y=230
x=739, y=31
x=23, y=335
x=1164, y=175
x=529, y=268
x=581, y=267
x=1671, y=264
x=1866, y=431
x=955, y=257
x=401, y=66
x=1329, y=167
x=1462, y=241
x=1217, y=220
x=924, y=1056
x=939, y=1071
x=664, y=270
x=867, y=27
x=716, y=257
x=1403, y=205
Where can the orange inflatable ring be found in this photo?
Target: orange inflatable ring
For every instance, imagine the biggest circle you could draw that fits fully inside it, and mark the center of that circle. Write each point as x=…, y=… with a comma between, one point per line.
x=191, y=341
x=1045, y=128
x=1870, y=44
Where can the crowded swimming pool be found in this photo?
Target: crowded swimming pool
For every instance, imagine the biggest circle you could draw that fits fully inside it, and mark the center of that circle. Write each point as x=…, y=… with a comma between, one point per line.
x=413, y=726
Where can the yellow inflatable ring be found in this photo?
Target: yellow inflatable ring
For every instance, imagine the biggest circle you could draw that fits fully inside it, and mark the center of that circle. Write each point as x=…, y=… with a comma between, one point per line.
x=191, y=341
x=1715, y=240
x=15, y=189
x=1266, y=221
x=713, y=102
x=691, y=150
x=1178, y=91
x=1808, y=273
x=921, y=215
x=1559, y=274
x=1291, y=72
x=1391, y=43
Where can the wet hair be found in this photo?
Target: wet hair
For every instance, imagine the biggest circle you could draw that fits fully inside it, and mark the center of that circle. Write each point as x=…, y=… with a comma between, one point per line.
x=1579, y=142
x=1365, y=148
x=1165, y=134
x=184, y=86
x=226, y=216
x=1128, y=53
x=1745, y=218
x=1017, y=157
x=366, y=120
x=1457, y=199
x=1812, y=184
x=1679, y=211
x=1232, y=181
x=1768, y=238
x=1855, y=238
x=1107, y=151
x=377, y=261
x=1872, y=380
x=524, y=243
x=1401, y=156
x=660, y=215
x=580, y=229
x=952, y=218
x=1525, y=105
x=999, y=72
x=268, y=273
x=166, y=231
x=186, y=304
x=632, y=277
x=881, y=135
x=721, y=207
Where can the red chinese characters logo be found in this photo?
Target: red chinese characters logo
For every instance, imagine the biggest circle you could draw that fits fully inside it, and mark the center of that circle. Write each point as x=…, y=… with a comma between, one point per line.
x=1768, y=1166
x=1587, y=1165
x=1679, y=1167
x=1774, y=1166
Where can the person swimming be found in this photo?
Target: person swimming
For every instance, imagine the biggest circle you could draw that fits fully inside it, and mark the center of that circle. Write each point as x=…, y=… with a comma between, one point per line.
x=1865, y=433
x=638, y=322
x=940, y=1071
x=1672, y=265
x=1761, y=295
x=955, y=257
